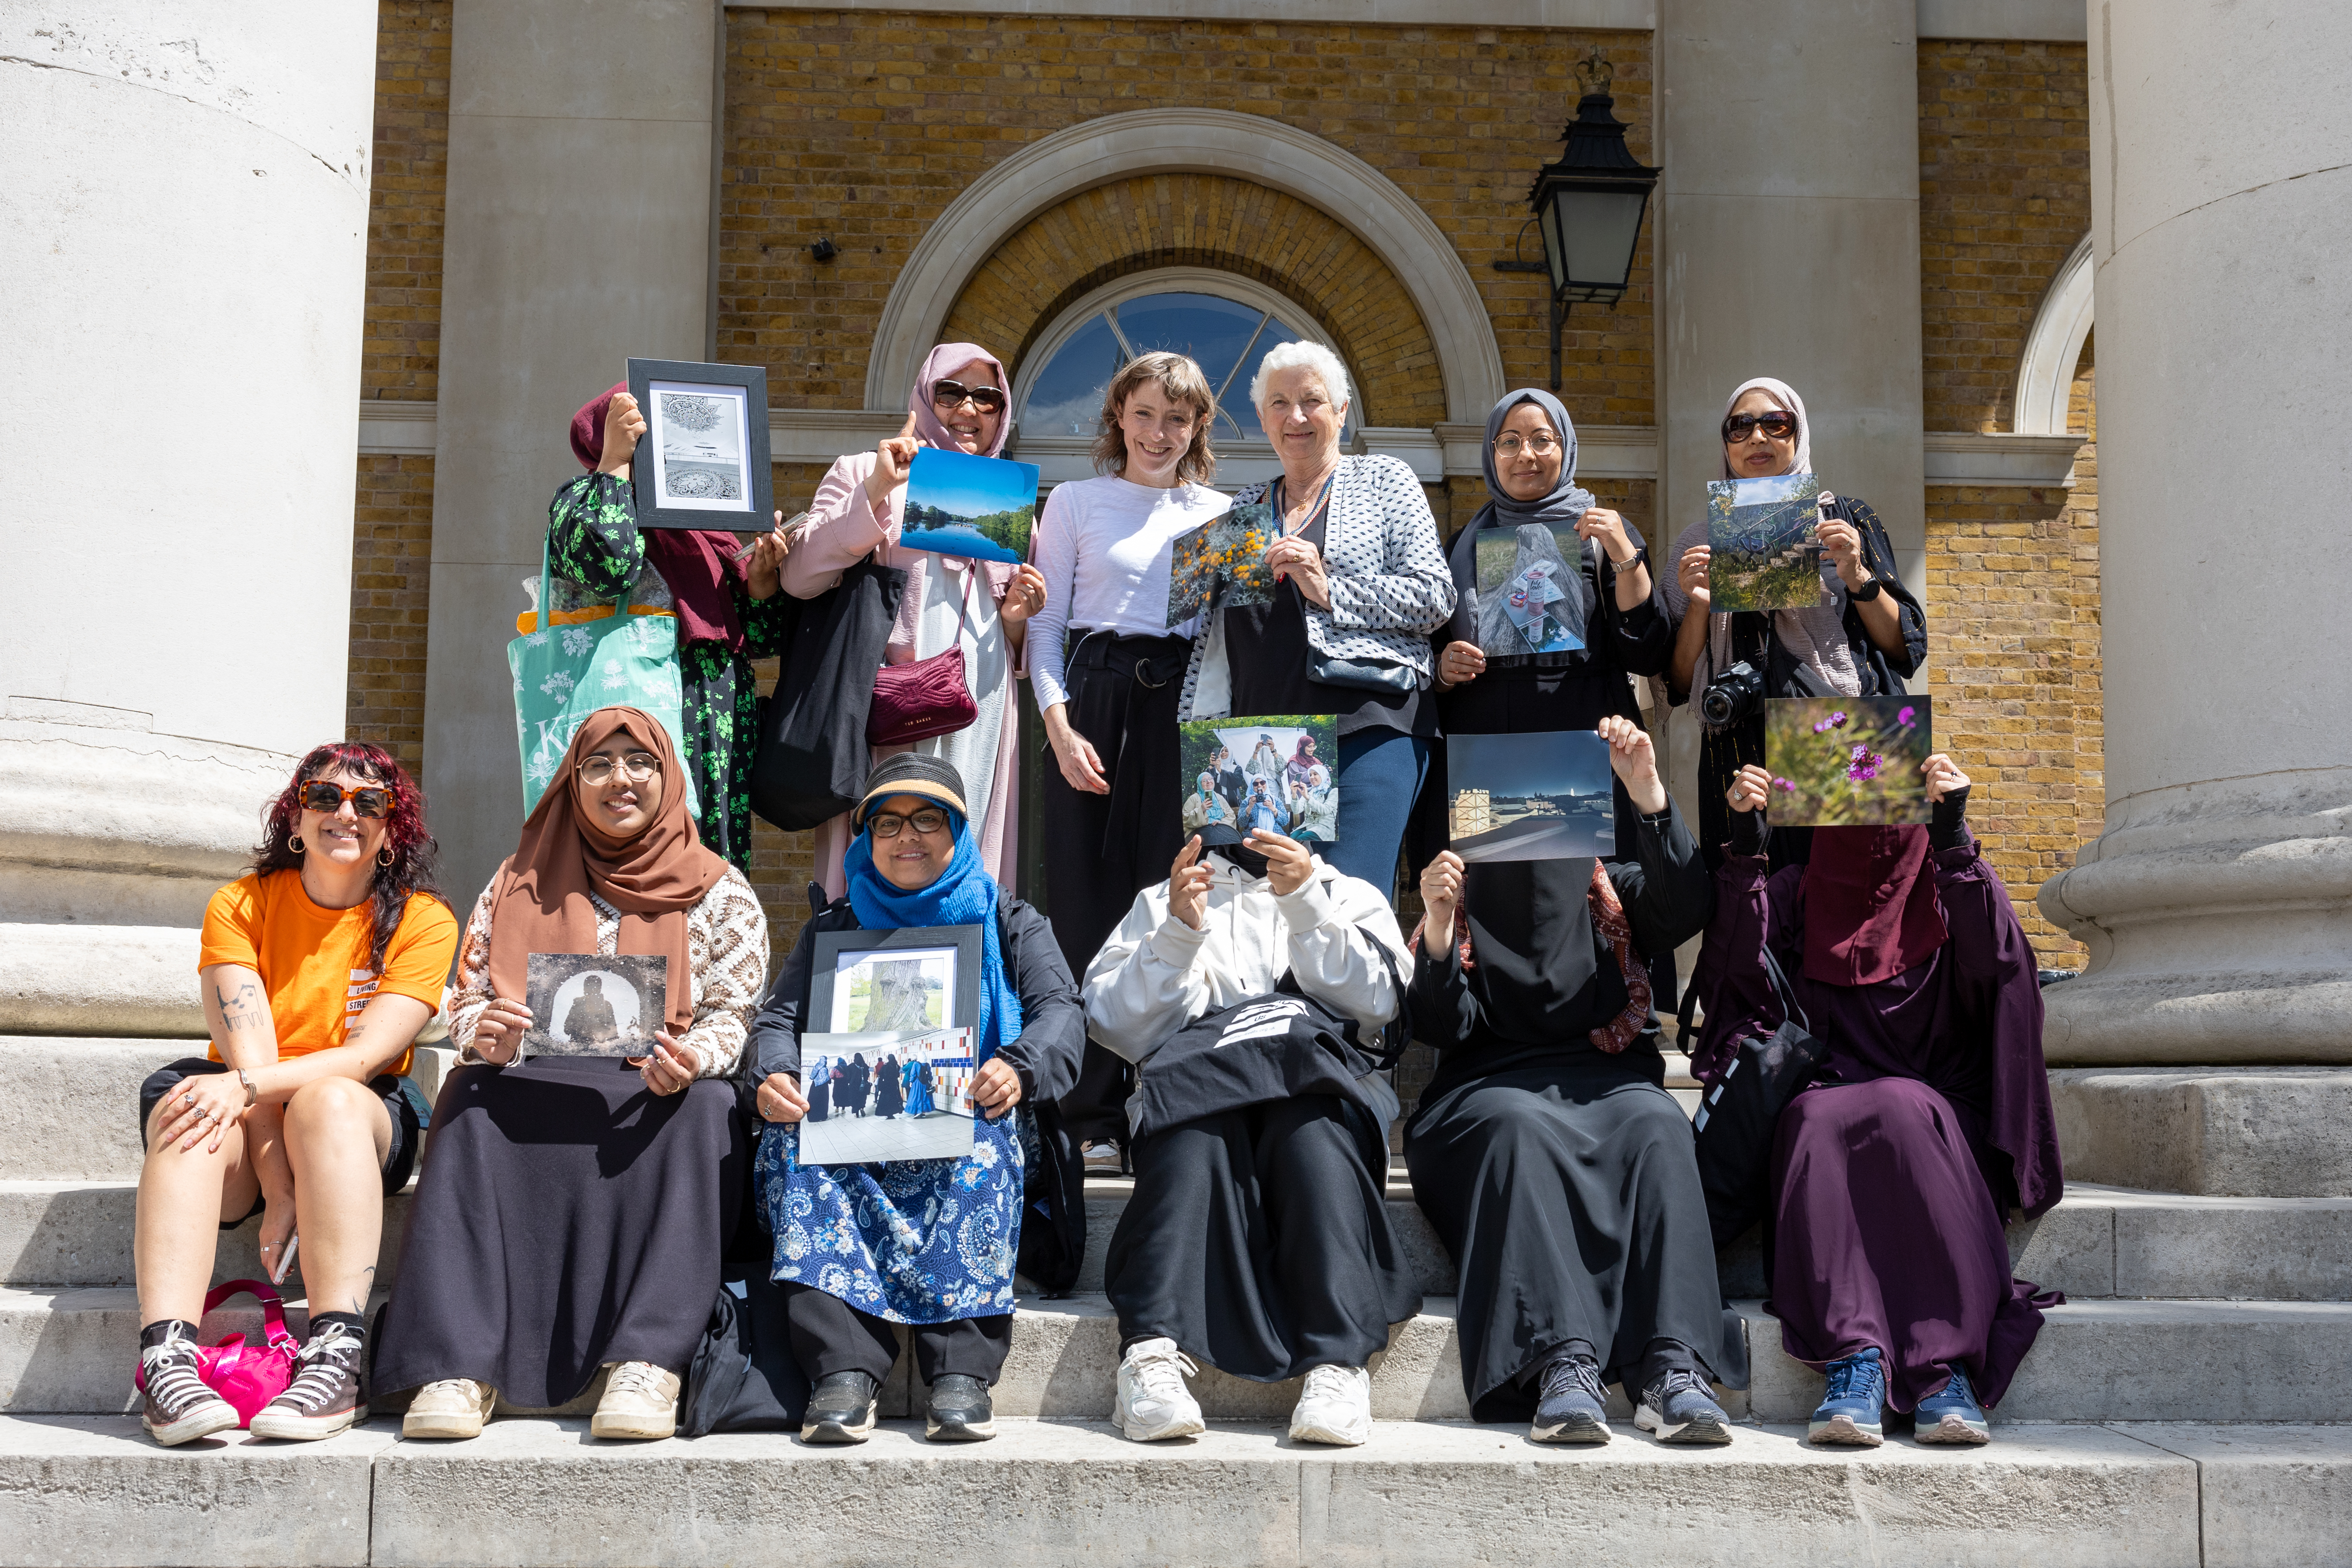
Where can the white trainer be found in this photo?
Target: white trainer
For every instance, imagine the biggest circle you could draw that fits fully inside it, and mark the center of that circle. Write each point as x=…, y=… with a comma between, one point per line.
x=1336, y=1406
x=1153, y=1403
x=640, y=1402
x=450, y=1407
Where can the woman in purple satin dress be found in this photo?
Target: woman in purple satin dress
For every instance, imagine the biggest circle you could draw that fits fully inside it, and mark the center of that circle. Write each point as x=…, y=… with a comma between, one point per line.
x=1892, y=1173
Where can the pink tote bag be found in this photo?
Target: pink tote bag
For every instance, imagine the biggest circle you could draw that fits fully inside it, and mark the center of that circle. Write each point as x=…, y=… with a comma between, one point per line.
x=247, y=1376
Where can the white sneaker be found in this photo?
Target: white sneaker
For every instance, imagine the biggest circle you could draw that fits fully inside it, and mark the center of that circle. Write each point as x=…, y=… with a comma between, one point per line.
x=1336, y=1406
x=452, y=1408
x=1153, y=1403
x=640, y=1402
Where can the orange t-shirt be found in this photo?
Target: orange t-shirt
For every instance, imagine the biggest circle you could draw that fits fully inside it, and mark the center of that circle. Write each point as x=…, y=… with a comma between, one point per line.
x=313, y=961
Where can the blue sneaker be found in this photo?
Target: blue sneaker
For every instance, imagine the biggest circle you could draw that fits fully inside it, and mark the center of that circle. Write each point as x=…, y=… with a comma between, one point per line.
x=1571, y=1409
x=1679, y=1409
x=1849, y=1415
x=1951, y=1415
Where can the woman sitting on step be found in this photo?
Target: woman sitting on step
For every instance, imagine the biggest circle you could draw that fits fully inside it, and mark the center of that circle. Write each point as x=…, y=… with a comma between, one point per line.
x=1546, y=1152
x=1893, y=1171
x=1257, y=1238
x=928, y=1243
x=576, y=1209
x=317, y=969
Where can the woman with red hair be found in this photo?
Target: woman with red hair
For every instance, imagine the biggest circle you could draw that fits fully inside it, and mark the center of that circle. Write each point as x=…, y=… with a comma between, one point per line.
x=318, y=968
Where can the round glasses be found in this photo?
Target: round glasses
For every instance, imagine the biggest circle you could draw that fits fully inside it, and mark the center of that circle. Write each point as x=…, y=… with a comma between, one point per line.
x=1542, y=444
x=886, y=824
x=637, y=768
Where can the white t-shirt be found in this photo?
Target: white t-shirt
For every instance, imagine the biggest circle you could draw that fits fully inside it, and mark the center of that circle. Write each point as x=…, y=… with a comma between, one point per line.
x=1103, y=546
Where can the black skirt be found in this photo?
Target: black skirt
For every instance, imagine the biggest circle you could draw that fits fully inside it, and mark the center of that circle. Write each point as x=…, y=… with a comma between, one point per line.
x=568, y=1216
x=1571, y=1200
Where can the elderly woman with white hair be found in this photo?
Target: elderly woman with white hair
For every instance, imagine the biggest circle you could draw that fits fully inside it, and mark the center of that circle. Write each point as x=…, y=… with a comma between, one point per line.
x=1360, y=582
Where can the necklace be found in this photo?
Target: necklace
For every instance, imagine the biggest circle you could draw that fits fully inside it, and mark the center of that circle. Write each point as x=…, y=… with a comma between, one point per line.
x=1306, y=520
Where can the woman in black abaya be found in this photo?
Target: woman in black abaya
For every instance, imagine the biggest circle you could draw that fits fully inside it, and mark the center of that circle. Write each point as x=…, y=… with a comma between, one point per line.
x=1546, y=1151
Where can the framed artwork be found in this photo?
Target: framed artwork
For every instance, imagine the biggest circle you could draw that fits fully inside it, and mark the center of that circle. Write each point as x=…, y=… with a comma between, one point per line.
x=703, y=459
x=914, y=981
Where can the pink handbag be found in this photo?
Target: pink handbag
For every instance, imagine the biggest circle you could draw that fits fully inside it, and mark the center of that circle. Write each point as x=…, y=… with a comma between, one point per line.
x=247, y=1376
x=916, y=701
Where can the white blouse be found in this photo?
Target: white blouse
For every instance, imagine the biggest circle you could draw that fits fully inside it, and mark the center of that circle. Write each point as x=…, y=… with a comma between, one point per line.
x=1103, y=545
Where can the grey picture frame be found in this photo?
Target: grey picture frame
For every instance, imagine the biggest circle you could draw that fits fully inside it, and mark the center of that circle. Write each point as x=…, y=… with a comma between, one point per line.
x=756, y=472
x=963, y=1007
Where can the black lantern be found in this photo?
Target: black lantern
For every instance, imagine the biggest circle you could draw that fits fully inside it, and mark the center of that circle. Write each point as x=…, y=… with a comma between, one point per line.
x=1588, y=207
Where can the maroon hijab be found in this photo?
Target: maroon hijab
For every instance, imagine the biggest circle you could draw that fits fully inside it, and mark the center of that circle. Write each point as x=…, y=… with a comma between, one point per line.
x=1871, y=908
x=698, y=564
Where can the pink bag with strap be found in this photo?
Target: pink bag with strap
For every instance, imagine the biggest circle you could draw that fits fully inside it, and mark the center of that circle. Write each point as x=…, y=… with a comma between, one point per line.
x=247, y=1376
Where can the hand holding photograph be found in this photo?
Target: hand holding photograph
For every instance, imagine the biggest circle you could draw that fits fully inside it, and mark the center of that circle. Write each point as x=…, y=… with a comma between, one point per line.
x=1847, y=762
x=1275, y=771
x=1545, y=796
x=961, y=504
x=1764, y=543
x=584, y=1005
x=1222, y=562
x=1530, y=590
x=702, y=462
x=876, y=1095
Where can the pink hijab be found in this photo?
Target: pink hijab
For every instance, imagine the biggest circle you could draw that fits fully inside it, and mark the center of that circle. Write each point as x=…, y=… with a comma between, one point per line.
x=940, y=364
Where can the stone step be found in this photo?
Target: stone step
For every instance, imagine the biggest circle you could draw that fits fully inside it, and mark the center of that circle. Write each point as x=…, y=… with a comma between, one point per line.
x=2226, y=1132
x=93, y=1491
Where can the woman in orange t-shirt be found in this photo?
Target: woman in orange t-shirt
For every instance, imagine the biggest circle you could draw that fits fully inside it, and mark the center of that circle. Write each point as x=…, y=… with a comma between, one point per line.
x=318, y=970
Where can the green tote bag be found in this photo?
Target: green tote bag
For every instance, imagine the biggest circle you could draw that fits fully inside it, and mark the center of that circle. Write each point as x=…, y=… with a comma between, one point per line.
x=564, y=673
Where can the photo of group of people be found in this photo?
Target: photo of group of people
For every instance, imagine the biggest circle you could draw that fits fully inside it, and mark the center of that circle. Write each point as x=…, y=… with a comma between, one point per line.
x=884, y=1095
x=1275, y=772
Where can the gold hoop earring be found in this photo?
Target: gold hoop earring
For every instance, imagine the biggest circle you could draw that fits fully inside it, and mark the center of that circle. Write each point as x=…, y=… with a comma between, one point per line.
x=295, y=844
x=384, y=857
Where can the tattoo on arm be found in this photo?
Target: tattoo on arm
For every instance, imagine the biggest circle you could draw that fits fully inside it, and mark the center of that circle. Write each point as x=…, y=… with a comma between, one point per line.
x=239, y=1009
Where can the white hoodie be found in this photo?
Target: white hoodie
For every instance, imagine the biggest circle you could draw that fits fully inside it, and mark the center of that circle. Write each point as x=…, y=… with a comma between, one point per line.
x=1157, y=975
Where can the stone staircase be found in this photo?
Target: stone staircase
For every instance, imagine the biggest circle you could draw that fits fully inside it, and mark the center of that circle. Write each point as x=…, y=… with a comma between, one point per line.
x=2174, y=1411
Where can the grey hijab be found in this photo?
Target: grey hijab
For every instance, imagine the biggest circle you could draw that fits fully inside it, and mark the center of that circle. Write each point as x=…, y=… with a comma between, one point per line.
x=1558, y=510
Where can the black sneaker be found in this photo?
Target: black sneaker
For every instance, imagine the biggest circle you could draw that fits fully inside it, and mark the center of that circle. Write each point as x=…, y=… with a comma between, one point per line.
x=841, y=1410
x=179, y=1407
x=325, y=1397
x=1570, y=1408
x=959, y=1411
x=1679, y=1409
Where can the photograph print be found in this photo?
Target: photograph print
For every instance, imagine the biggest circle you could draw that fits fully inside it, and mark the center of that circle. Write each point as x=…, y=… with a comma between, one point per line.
x=895, y=991
x=702, y=462
x=586, y=1004
x=1764, y=543
x=887, y=1094
x=1277, y=771
x=1543, y=796
x=1222, y=562
x=1847, y=762
x=961, y=504
x=1528, y=577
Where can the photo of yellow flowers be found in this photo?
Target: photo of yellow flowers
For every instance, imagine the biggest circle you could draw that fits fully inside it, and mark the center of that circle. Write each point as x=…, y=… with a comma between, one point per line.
x=1222, y=562
x=1847, y=762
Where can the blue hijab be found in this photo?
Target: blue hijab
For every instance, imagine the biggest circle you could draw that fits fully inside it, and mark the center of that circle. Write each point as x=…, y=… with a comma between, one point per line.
x=963, y=895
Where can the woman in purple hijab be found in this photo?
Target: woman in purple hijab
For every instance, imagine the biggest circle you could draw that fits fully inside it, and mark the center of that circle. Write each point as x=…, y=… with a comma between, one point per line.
x=1892, y=1173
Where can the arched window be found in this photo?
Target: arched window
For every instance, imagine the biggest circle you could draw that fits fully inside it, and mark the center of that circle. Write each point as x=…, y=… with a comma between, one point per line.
x=1225, y=322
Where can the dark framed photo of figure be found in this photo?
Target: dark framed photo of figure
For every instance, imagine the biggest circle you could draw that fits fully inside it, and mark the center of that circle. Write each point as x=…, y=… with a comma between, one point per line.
x=584, y=1005
x=703, y=459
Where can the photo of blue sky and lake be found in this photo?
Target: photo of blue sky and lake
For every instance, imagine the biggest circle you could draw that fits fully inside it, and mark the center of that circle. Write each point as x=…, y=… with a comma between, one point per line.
x=1542, y=796
x=961, y=504
x=1764, y=547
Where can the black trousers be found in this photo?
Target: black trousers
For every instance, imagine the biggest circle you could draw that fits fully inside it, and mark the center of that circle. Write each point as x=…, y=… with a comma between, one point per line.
x=1102, y=850
x=829, y=1335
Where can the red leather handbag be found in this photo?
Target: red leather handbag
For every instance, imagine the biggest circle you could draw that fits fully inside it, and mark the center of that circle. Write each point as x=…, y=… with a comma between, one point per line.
x=916, y=702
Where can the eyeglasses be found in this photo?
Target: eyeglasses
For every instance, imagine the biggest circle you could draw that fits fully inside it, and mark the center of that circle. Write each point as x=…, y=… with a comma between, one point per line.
x=367, y=800
x=1542, y=444
x=637, y=768
x=886, y=824
x=1777, y=422
x=947, y=396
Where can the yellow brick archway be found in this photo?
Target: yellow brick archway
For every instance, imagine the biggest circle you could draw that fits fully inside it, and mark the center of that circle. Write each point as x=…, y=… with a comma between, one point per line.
x=1214, y=221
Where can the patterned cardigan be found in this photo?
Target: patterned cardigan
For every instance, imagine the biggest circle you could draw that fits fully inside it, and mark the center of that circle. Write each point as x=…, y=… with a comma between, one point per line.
x=1390, y=586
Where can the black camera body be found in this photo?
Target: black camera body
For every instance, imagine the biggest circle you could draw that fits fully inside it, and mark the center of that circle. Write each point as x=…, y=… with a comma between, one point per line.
x=1735, y=695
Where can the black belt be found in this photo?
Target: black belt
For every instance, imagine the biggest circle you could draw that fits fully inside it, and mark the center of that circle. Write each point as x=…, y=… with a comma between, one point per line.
x=1151, y=661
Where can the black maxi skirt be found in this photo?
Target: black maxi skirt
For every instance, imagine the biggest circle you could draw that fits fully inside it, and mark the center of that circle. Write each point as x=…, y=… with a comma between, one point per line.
x=1570, y=1198
x=1258, y=1239
x=568, y=1216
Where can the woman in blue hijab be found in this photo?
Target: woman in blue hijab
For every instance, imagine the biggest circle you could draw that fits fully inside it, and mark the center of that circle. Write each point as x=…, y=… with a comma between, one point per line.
x=931, y=1244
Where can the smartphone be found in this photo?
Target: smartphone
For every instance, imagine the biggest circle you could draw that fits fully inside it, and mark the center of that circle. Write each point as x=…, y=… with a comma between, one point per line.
x=286, y=1262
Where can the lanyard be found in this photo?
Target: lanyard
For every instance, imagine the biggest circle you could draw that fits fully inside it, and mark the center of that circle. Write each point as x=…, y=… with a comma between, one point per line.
x=1322, y=502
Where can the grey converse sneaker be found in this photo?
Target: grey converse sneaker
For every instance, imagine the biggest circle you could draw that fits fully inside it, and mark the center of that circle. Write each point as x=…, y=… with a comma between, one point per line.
x=325, y=1397
x=179, y=1407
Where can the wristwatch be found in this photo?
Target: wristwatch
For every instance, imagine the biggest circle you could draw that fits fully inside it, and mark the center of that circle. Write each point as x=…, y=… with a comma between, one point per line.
x=1867, y=592
x=251, y=1094
x=1630, y=561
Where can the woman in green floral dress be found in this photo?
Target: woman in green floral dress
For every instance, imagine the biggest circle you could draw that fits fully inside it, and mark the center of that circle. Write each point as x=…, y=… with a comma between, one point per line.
x=728, y=609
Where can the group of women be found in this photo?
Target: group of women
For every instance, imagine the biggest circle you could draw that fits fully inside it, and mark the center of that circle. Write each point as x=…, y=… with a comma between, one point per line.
x=1222, y=1012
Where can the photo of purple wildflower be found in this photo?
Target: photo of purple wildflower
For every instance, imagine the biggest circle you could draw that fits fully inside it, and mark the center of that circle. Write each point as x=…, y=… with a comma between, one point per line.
x=1847, y=762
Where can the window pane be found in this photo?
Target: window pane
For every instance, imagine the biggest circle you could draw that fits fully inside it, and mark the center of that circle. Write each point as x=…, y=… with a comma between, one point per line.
x=1210, y=330
x=1067, y=397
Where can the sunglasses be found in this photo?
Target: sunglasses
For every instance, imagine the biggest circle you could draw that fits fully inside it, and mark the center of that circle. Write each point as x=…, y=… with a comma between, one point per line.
x=637, y=768
x=1777, y=422
x=886, y=824
x=367, y=800
x=947, y=396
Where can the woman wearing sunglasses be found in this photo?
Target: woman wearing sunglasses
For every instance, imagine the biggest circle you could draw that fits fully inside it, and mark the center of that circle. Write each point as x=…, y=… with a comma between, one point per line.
x=931, y=1244
x=1868, y=635
x=981, y=607
x=318, y=968
x=576, y=1209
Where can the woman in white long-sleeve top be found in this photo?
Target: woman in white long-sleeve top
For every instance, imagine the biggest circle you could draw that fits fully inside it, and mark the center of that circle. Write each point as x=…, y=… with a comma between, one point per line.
x=1257, y=1238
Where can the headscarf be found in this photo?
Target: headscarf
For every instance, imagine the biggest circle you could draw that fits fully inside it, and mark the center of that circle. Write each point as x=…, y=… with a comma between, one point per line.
x=1871, y=907
x=938, y=365
x=1537, y=972
x=538, y=900
x=965, y=894
x=1302, y=760
x=1559, y=509
x=697, y=563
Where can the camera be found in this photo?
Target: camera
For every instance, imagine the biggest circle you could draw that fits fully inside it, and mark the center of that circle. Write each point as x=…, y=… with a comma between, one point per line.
x=1737, y=694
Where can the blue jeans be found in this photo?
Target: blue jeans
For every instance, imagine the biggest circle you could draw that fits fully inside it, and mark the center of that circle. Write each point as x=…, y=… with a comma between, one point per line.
x=1380, y=773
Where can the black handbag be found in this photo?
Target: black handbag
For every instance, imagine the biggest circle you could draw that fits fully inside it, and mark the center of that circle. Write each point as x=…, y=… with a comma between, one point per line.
x=1736, y=1122
x=813, y=757
x=743, y=1377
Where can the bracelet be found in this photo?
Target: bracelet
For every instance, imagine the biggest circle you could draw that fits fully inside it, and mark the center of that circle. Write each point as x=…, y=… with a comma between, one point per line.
x=251, y=1093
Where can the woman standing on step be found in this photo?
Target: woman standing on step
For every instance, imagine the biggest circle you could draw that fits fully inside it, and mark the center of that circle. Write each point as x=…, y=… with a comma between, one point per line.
x=1546, y=1152
x=576, y=1209
x=930, y=1244
x=317, y=969
x=1892, y=1173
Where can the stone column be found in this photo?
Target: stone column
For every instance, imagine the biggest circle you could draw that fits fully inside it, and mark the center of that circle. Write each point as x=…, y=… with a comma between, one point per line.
x=2217, y=903
x=184, y=233
x=578, y=235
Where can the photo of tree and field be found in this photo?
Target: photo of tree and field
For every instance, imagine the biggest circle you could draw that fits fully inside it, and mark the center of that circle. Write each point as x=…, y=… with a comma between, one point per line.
x=1847, y=762
x=1764, y=549
x=961, y=504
